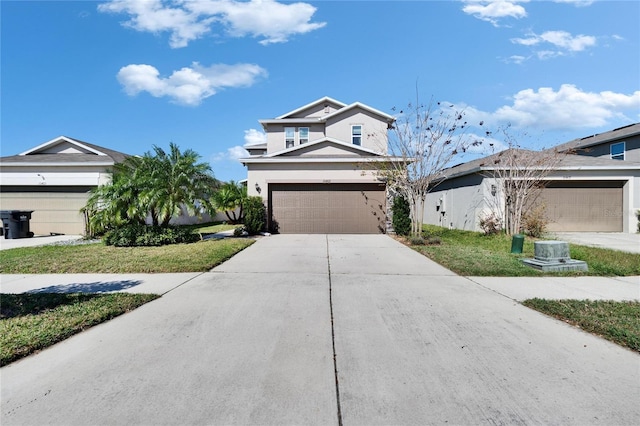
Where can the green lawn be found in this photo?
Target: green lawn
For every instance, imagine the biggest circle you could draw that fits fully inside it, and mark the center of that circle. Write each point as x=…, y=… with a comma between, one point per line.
x=618, y=322
x=99, y=258
x=31, y=322
x=474, y=254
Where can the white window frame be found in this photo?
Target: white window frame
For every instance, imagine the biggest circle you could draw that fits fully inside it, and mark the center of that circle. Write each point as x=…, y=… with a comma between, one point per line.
x=300, y=138
x=620, y=156
x=354, y=136
x=289, y=142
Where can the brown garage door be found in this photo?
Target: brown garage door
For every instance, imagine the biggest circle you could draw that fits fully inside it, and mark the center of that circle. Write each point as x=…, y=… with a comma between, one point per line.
x=584, y=206
x=327, y=208
x=56, y=210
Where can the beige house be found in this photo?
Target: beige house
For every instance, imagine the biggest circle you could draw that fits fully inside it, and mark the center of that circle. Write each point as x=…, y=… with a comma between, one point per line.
x=54, y=180
x=315, y=172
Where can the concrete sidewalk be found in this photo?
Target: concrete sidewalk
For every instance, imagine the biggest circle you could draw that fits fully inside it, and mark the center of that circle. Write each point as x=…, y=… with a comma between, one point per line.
x=38, y=240
x=313, y=329
x=621, y=241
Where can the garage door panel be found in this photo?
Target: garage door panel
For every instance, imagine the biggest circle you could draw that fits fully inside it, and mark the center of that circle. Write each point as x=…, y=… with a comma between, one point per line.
x=53, y=212
x=328, y=208
x=584, y=206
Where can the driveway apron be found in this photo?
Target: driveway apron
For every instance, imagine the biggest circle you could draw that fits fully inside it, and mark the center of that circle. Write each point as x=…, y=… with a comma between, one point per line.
x=317, y=329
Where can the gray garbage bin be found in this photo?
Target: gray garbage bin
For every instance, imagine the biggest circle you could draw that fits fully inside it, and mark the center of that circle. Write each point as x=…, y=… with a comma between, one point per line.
x=16, y=223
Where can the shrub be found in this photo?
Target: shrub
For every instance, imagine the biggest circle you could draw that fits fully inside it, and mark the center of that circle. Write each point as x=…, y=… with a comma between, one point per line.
x=401, y=216
x=255, y=215
x=491, y=224
x=638, y=216
x=133, y=235
x=434, y=241
x=534, y=222
x=239, y=231
x=416, y=241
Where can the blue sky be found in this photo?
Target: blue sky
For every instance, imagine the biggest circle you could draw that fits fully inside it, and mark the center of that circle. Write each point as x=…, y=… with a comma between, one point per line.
x=129, y=74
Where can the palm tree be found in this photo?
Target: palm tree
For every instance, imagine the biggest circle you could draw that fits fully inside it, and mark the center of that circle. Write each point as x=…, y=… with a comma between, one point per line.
x=230, y=198
x=158, y=185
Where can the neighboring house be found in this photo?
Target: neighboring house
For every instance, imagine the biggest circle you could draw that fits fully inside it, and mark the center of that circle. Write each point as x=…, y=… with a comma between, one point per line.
x=618, y=144
x=54, y=180
x=587, y=192
x=315, y=171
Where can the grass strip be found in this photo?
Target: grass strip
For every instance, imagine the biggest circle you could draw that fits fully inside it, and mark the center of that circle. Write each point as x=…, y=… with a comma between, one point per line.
x=618, y=322
x=31, y=322
x=99, y=258
x=475, y=254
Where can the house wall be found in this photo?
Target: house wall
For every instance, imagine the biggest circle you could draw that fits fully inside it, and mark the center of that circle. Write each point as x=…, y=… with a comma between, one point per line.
x=459, y=203
x=275, y=135
x=317, y=110
x=632, y=149
x=468, y=198
x=264, y=173
x=81, y=176
x=374, y=131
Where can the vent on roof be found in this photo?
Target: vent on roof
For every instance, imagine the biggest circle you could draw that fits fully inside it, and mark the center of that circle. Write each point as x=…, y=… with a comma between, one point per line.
x=327, y=110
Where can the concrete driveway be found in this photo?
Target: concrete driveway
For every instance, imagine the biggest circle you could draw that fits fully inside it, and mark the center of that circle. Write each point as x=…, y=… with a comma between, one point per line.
x=314, y=329
x=609, y=240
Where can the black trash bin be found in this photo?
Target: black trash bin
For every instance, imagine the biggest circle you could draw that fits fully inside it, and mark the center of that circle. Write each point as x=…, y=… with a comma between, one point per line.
x=16, y=223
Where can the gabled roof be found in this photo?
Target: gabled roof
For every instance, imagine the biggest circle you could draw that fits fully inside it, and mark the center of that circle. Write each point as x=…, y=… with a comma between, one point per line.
x=355, y=105
x=568, y=162
x=287, y=119
x=91, y=154
x=312, y=104
x=339, y=143
x=606, y=137
x=351, y=154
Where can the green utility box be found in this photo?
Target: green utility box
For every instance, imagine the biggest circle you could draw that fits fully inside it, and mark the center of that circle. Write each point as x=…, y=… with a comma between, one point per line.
x=516, y=243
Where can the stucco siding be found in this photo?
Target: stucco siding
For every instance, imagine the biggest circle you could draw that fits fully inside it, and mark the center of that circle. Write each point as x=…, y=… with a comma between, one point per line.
x=374, y=131
x=458, y=203
x=275, y=135
x=632, y=149
x=264, y=173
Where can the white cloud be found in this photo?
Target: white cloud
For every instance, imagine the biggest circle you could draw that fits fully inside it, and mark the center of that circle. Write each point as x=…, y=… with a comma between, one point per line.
x=565, y=109
x=494, y=10
x=254, y=137
x=234, y=154
x=188, y=86
x=188, y=20
x=577, y=3
x=559, y=39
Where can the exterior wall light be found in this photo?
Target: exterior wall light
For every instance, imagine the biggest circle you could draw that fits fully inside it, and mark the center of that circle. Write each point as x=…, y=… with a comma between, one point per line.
x=493, y=190
x=258, y=188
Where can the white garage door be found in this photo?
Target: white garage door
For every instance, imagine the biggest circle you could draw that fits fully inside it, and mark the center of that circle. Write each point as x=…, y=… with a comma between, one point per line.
x=328, y=208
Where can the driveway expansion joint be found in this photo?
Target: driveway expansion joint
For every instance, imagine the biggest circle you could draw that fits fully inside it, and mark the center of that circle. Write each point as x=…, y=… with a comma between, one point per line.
x=333, y=337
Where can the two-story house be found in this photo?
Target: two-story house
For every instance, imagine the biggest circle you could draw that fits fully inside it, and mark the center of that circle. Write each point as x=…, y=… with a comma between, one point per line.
x=619, y=144
x=316, y=173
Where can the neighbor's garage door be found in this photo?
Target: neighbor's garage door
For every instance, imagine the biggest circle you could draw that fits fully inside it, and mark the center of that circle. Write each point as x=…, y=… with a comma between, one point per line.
x=584, y=206
x=328, y=208
x=56, y=210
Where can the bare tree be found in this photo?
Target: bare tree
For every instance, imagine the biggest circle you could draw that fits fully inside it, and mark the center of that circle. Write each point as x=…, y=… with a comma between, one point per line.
x=423, y=142
x=520, y=176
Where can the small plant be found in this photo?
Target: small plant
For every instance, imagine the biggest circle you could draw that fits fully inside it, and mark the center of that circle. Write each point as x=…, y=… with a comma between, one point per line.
x=491, y=224
x=401, y=216
x=434, y=241
x=534, y=222
x=638, y=216
x=239, y=231
x=255, y=215
x=417, y=241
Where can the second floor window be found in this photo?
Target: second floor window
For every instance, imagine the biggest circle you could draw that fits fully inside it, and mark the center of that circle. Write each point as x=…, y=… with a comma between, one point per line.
x=617, y=151
x=356, y=134
x=289, y=137
x=304, y=134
